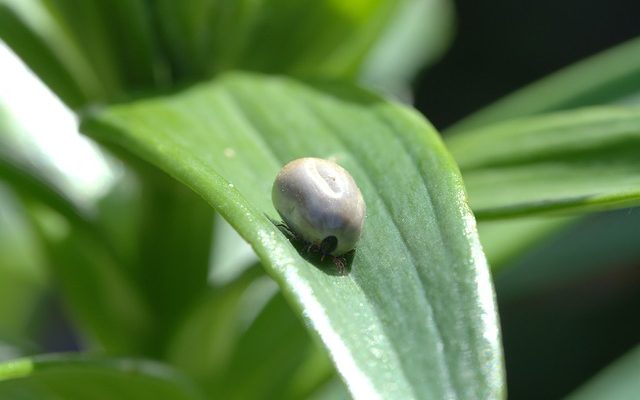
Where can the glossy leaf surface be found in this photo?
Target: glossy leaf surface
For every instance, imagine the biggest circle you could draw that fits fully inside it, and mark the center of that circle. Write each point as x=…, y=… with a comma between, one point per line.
x=414, y=317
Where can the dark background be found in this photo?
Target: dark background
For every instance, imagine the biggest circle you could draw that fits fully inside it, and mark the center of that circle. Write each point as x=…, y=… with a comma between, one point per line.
x=501, y=45
x=558, y=337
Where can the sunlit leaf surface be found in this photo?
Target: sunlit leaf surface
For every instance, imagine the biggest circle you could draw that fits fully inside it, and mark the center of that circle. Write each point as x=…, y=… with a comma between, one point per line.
x=414, y=317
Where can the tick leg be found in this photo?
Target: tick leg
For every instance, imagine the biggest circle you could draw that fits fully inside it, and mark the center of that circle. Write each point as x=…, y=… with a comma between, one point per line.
x=284, y=228
x=340, y=264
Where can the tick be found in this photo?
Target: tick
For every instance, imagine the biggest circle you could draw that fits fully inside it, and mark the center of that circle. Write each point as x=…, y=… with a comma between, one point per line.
x=321, y=205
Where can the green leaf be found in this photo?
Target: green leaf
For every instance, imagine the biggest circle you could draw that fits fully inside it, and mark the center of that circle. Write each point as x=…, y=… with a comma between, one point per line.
x=606, y=77
x=86, y=52
x=115, y=36
x=332, y=390
x=414, y=317
x=94, y=282
x=267, y=356
x=572, y=161
x=105, y=50
x=100, y=296
x=619, y=381
x=504, y=240
x=313, y=375
x=174, y=243
x=31, y=173
x=74, y=378
x=584, y=248
x=33, y=33
x=242, y=341
x=205, y=341
x=231, y=254
x=322, y=37
x=416, y=35
x=22, y=268
x=9, y=350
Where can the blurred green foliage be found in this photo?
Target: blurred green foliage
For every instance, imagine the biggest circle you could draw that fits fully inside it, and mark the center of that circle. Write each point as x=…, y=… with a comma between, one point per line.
x=198, y=103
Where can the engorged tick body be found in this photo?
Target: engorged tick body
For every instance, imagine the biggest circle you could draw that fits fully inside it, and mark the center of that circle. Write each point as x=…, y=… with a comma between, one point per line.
x=320, y=202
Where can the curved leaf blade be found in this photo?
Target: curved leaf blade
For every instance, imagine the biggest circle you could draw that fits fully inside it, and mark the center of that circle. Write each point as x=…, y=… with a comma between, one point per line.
x=74, y=378
x=572, y=161
x=415, y=316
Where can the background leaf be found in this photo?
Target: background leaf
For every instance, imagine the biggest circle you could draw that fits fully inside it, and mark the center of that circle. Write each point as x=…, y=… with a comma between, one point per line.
x=243, y=341
x=581, y=249
x=71, y=378
x=146, y=46
x=576, y=160
x=610, y=76
x=174, y=242
x=34, y=34
x=212, y=36
x=333, y=390
x=22, y=268
x=572, y=297
x=415, y=36
x=617, y=382
x=32, y=172
x=207, y=338
x=414, y=317
x=504, y=240
x=76, y=254
x=104, y=302
x=267, y=356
